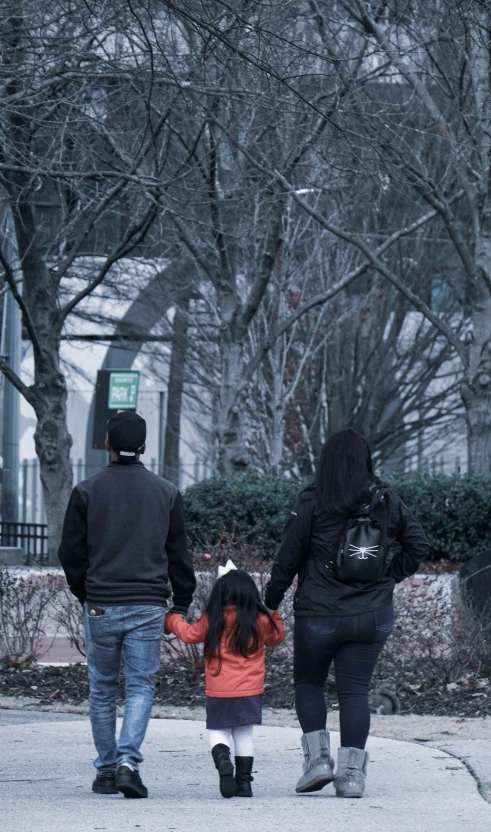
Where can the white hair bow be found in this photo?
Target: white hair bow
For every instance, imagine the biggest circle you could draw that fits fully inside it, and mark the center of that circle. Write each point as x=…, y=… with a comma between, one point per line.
x=229, y=566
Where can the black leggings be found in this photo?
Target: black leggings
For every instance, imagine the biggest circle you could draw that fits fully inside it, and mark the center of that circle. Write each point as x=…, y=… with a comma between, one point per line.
x=354, y=643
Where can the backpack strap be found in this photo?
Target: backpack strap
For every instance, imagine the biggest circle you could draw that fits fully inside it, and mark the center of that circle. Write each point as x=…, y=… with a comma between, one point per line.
x=378, y=497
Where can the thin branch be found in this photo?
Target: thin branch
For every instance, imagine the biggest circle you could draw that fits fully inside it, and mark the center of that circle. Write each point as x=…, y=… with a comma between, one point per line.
x=13, y=286
x=14, y=379
x=96, y=175
x=189, y=242
x=322, y=298
x=114, y=336
x=128, y=244
x=6, y=288
x=381, y=267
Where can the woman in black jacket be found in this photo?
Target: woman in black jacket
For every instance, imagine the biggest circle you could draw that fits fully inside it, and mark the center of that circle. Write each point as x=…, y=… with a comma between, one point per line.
x=338, y=620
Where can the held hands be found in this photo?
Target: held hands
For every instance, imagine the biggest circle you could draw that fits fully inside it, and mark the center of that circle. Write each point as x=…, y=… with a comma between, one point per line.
x=168, y=615
x=168, y=632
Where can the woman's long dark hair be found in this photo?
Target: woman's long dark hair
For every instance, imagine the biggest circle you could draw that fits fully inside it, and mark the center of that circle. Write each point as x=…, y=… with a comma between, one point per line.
x=235, y=589
x=345, y=473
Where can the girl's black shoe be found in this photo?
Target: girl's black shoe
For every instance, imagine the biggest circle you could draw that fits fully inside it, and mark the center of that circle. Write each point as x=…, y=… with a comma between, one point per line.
x=105, y=783
x=243, y=776
x=129, y=783
x=224, y=765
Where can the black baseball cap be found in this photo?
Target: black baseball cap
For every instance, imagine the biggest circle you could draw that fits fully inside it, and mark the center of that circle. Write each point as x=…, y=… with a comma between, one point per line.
x=126, y=433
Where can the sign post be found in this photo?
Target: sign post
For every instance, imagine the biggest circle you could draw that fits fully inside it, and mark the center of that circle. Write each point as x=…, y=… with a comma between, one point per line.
x=115, y=390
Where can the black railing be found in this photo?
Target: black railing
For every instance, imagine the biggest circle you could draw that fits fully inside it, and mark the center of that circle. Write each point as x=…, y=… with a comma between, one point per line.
x=31, y=537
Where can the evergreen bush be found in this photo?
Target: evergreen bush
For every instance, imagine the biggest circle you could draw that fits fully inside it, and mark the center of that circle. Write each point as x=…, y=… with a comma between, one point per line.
x=250, y=506
x=455, y=511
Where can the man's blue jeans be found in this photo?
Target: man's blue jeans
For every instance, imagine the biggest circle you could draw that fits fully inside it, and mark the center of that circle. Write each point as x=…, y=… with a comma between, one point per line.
x=133, y=634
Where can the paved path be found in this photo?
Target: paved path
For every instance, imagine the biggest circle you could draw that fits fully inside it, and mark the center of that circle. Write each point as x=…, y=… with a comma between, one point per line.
x=46, y=774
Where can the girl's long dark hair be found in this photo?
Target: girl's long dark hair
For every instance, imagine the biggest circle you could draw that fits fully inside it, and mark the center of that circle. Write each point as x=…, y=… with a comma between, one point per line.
x=345, y=473
x=235, y=589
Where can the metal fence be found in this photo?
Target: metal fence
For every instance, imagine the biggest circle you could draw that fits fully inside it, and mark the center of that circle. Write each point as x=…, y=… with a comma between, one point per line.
x=30, y=530
x=31, y=537
x=31, y=502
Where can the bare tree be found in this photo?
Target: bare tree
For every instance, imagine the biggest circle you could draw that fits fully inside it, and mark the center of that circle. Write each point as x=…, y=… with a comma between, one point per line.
x=230, y=131
x=81, y=152
x=230, y=210
x=253, y=156
x=367, y=361
x=434, y=139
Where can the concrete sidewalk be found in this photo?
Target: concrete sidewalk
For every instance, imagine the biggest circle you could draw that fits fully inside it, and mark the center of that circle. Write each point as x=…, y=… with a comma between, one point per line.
x=46, y=774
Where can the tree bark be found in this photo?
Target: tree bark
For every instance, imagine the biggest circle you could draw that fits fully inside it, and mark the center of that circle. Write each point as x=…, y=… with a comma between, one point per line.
x=278, y=430
x=174, y=393
x=53, y=443
x=476, y=390
x=476, y=387
x=232, y=453
x=477, y=402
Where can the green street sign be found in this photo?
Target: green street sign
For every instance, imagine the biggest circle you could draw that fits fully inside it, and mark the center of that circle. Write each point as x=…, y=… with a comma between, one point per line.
x=123, y=390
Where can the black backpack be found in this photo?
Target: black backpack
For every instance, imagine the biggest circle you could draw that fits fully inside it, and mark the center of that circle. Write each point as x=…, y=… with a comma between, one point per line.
x=362, y=551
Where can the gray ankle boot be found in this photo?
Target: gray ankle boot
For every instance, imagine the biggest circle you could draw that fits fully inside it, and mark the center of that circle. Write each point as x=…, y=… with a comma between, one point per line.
x=318, y=763
x=351, y=773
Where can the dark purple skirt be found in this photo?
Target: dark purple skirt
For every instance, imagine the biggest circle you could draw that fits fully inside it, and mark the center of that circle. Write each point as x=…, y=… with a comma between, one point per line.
x=230, y=713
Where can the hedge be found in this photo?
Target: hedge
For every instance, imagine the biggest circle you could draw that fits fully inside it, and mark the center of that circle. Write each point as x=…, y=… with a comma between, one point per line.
x=253, y=507
x=455, y=511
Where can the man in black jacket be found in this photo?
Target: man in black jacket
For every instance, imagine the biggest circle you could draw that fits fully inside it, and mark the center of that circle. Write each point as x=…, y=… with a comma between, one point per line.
x=123, y=542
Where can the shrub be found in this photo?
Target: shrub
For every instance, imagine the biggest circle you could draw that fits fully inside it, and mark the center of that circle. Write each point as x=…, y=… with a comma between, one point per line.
x=250, y=507
x=25, y=602
x=68, y=614
x=455, y=511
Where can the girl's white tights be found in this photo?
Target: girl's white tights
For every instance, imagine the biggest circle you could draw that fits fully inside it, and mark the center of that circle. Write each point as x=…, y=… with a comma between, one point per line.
x=244, y=744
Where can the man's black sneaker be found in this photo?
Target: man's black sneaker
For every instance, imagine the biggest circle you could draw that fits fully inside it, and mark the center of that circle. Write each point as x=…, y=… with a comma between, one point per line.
x=129, y=783
x=105, y=783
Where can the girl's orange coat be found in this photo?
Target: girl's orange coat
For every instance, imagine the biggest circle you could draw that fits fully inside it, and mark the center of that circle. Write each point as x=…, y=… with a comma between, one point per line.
x=238, y=676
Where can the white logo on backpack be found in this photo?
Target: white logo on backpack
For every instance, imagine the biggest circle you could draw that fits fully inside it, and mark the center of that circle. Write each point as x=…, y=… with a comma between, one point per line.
x=363, y=552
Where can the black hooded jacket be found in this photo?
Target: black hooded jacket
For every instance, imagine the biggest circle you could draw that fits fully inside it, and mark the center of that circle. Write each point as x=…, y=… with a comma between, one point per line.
x=312, y=538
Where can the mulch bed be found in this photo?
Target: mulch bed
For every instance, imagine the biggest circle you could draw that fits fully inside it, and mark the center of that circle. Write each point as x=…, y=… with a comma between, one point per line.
x=183, y=684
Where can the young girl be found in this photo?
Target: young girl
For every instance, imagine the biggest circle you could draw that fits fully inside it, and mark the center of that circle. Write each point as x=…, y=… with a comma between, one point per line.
x=235, y=627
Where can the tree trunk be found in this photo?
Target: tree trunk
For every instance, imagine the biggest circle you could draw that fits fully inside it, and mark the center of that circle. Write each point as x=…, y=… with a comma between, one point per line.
x=477, y=400
x=48, y=394
x=278, y=437
x=174, y=393
x=53, y=444
x=232, y=452
x=276, y=429
x=476, y=388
